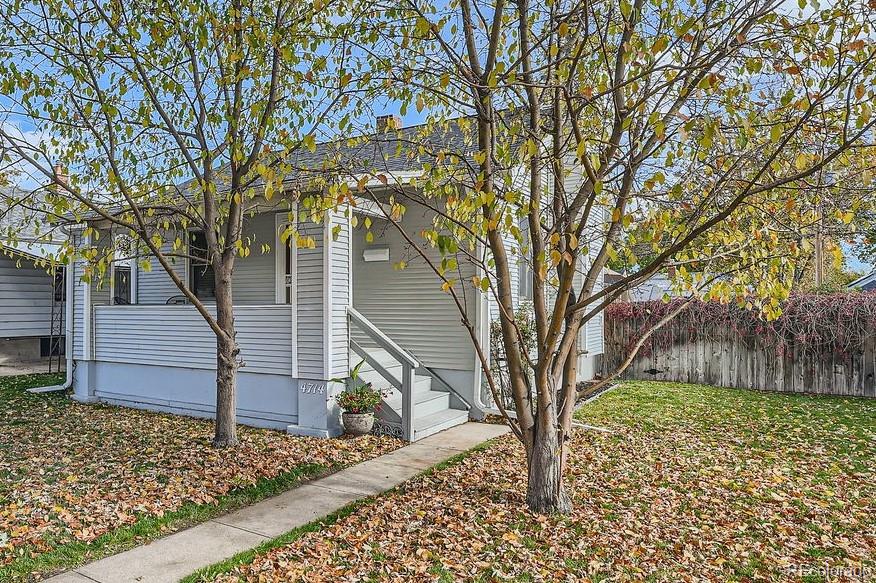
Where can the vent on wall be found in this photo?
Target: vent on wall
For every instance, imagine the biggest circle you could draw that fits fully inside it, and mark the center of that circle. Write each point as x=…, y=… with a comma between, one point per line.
x=375, y=254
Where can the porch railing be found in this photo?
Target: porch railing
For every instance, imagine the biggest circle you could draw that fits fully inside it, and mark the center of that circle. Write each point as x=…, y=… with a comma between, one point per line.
x=177, y=335
x=409, y=364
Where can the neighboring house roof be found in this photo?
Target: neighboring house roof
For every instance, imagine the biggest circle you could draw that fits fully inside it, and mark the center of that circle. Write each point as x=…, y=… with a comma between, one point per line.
x=866, y=283
x=652, y=289
x=24, y=229
x=32, y=251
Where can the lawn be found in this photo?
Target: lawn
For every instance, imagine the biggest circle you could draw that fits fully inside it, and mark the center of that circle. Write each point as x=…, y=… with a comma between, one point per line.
x=693, y=483
x=81, y=481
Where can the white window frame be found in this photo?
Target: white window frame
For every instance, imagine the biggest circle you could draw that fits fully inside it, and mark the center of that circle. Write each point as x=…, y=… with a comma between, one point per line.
x=281, y=219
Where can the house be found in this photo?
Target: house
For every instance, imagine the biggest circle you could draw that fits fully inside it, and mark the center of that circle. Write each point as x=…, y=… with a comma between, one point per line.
x=31, y=291
x=305, y=316
x=864, y=283
x=655, y=287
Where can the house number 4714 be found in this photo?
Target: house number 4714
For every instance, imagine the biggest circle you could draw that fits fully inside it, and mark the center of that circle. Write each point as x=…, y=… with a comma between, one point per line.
x=313, y=388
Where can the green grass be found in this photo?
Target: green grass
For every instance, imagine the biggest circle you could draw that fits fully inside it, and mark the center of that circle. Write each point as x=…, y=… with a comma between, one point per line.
x=661, y=406
x=694, y=482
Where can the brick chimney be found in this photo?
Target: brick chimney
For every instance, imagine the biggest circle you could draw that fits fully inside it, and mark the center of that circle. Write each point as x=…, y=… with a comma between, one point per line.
x=61, y=176
x=388, y=122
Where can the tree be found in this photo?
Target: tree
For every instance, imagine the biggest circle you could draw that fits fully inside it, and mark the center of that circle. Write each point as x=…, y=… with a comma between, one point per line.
x=567, y=134
x=169, y=116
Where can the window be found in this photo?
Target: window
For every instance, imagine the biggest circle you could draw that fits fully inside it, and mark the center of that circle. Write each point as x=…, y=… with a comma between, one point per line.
x=201, y=279
x=122, y=285
x=60, y=286
x=289, y=262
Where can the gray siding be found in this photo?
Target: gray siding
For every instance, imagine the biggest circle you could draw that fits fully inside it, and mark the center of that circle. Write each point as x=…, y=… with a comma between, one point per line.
x=591, y=335
x=254, y=276
x=594, y=335
x=100, y=295
x=263, y=400
x=339, y=278
x=514, y=267
x=179, y=336
x=254, y=281
x=310, y=285
x=25, y=298
x=155, y=286
x=408, y=305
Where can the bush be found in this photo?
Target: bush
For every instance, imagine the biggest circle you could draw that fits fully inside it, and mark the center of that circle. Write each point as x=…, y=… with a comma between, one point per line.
x=813, y=323
x=524, y=317
x=360, y=399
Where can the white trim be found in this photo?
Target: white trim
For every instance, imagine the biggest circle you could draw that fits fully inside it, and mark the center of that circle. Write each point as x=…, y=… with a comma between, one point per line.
x=862, y=281
x=135, y=279
x=281, y=219
x=87, y=314
x=187, y=274
x=349, y=218
x=112, y=283
x=482, y=325
x=327, y=294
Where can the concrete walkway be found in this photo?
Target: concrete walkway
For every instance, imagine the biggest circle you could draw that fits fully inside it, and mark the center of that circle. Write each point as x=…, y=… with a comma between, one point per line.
x=9, y=368
x=171, y=558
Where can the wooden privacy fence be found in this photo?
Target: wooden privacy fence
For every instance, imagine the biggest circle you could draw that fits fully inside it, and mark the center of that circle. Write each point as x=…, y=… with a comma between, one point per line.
x=711, y=348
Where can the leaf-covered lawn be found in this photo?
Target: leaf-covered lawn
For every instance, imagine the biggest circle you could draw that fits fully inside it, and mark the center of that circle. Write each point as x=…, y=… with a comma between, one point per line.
x=71, y=472
x=695, y=483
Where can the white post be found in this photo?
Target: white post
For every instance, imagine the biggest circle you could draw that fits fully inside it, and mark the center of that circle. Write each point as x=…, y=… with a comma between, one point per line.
x=87, y=314
x=135, y=278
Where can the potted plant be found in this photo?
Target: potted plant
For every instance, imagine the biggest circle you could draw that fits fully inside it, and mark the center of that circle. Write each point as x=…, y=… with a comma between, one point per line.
x=359, y=401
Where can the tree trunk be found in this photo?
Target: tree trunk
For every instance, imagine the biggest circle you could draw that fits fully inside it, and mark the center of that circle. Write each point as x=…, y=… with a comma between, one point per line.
x=545, y=493
x=227, y=352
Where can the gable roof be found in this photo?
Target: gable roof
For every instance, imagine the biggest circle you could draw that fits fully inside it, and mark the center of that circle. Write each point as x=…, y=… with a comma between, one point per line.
x=20, y=207
x=866, y=282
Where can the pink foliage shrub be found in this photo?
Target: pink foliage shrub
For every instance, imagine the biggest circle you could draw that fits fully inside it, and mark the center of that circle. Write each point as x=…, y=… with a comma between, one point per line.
x=814, y=323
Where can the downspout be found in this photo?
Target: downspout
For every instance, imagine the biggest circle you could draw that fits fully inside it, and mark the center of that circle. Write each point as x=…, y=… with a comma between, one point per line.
x=482, y=317
x=68, y=335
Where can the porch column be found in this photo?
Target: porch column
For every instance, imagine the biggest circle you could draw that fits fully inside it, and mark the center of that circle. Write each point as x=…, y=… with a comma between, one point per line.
x=326, y=268
x=85, y=296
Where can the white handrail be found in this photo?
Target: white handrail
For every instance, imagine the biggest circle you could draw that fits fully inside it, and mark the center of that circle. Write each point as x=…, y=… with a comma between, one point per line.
x=382, y=339
x=408, y=362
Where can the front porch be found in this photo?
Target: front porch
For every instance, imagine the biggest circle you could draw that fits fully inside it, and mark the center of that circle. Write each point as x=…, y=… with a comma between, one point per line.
x=304, y=317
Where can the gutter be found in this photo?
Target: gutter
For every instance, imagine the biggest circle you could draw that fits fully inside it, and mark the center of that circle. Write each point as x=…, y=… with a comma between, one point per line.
x=68, y=336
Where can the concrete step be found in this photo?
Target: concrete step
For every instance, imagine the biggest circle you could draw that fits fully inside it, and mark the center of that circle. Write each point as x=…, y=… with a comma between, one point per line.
x=432, y=412
x=425, y=402
x=421, y=383
x=431, y=424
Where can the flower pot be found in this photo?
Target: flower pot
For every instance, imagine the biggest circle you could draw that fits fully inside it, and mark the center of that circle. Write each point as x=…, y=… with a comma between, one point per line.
x=358, y=423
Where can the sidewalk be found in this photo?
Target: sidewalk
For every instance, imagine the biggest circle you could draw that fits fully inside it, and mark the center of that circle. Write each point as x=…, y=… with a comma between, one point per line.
x=171, y=558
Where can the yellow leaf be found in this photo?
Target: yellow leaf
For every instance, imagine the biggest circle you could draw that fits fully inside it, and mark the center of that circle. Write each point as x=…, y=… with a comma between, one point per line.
x=801, y=161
